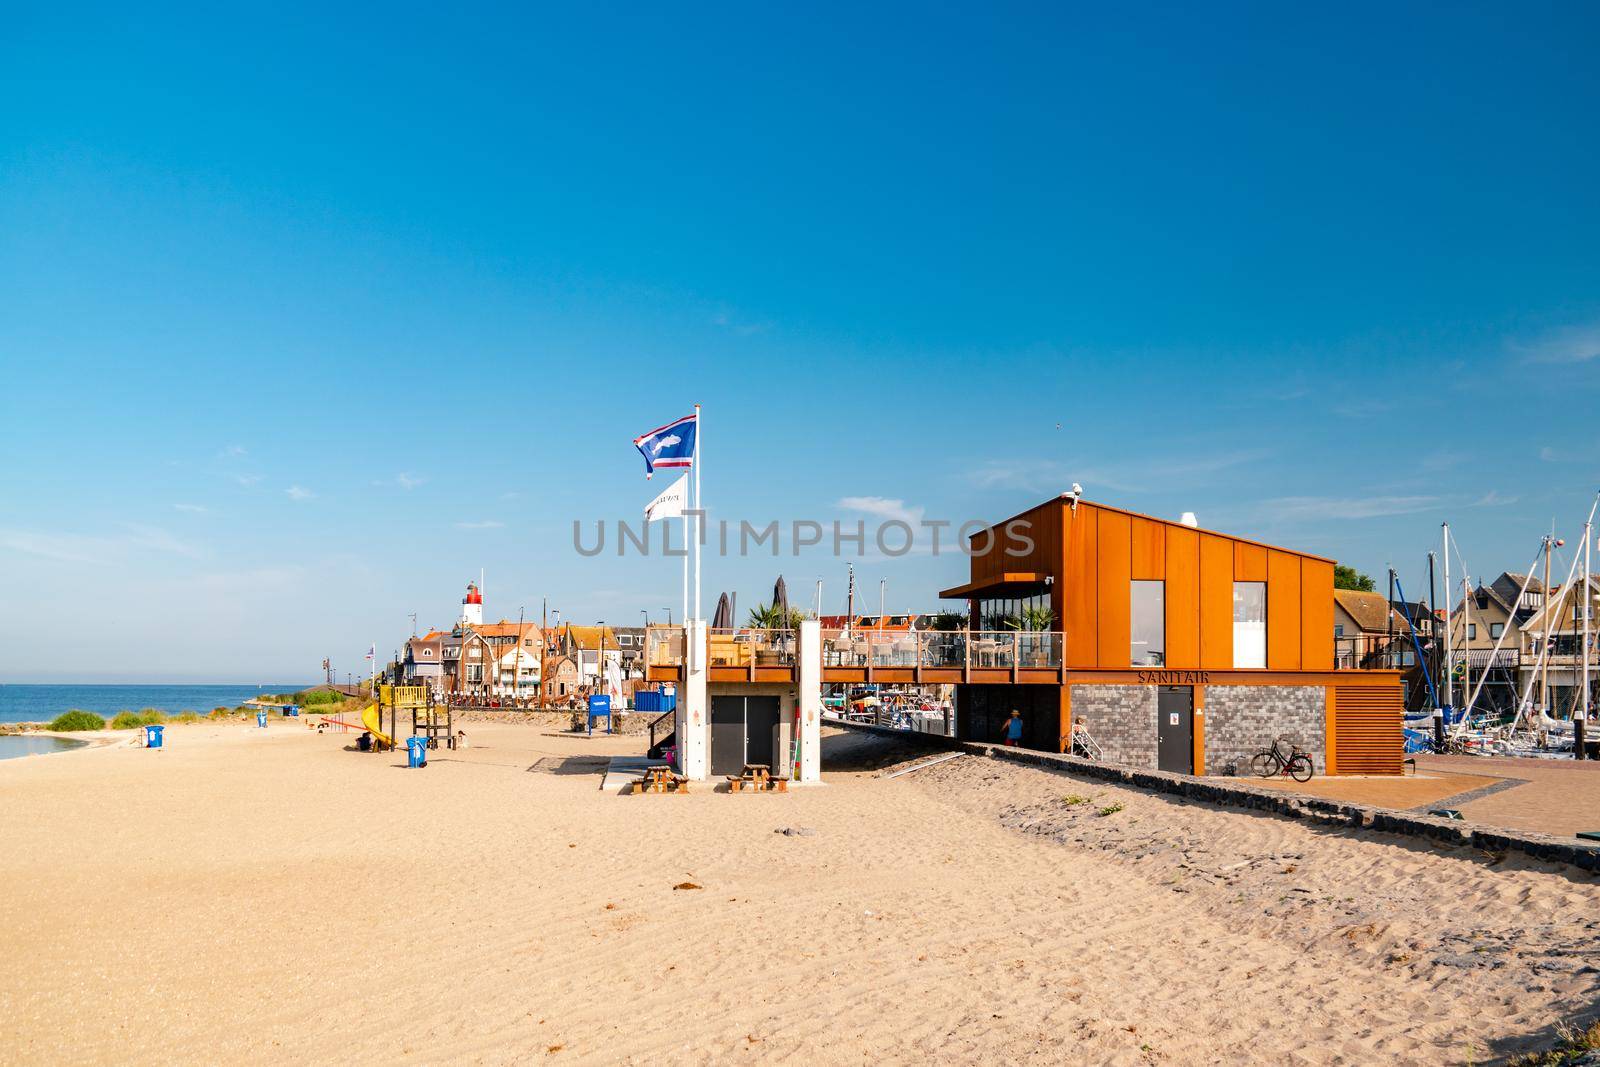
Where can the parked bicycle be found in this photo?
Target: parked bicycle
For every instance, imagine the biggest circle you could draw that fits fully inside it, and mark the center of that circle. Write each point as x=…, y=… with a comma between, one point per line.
x=1285, y=758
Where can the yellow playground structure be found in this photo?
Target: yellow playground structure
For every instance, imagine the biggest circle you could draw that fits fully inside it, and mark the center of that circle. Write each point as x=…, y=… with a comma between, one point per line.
x=428, y=719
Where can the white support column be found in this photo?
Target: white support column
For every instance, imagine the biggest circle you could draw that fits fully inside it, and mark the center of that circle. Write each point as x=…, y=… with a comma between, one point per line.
x=693, y=721
x=810, y=700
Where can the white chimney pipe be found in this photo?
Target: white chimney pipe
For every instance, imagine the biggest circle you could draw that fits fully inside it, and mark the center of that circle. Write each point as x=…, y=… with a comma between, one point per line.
x=1189, y=520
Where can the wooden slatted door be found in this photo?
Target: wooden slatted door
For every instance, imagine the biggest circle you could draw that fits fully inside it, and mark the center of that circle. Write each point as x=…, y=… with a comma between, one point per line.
x=1367, y=727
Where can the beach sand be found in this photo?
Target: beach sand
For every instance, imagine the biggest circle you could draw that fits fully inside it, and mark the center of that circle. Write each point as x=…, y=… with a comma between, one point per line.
x=260, y=896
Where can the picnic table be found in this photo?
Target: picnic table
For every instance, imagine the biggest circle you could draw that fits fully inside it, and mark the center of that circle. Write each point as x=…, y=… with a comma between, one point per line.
x=659, y=778
x=758, y=776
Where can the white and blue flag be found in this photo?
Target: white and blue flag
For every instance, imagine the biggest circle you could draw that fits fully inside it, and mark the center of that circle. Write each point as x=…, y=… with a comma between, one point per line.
x=671, y=445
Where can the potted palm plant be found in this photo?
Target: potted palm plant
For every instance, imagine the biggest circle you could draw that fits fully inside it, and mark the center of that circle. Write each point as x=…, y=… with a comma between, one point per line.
x=1034, y=622
x=773, y=617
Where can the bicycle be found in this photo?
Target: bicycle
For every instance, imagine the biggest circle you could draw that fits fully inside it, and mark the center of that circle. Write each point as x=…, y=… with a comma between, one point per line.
x=1271, y=762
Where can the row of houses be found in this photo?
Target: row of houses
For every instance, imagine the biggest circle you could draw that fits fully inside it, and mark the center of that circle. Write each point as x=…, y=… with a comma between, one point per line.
x=1522, y=635
x=522, y=662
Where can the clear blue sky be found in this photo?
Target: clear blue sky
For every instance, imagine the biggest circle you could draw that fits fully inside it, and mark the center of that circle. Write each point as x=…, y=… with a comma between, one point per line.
x=307, y=316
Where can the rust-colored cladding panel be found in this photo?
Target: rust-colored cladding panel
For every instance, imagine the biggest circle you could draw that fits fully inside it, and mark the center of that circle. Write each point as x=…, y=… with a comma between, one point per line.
x=1148, y=559
x=1183, y=598
x=1216, y=602
x=1082, y=589
x=1316, y=615
x=1114, y=629
x=1249, y=563
x=1366, y=729
x=1283, y=611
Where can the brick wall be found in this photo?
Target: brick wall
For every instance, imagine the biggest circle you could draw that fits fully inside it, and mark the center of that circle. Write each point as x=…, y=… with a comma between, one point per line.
x=1122, y=718
x=1243, y=719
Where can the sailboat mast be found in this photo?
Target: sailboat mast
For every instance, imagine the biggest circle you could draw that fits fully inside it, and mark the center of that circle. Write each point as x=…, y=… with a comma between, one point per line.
x=1544, y=634
x=1466, y=629
x=850, y=600
x=1449, y=664
x=1587, y=600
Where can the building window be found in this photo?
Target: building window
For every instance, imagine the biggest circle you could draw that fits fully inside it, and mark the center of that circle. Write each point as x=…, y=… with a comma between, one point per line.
x=1338, y=629
x=1496, y=629
x=1249, y=624
x=1147, y=617
x=1472, y=631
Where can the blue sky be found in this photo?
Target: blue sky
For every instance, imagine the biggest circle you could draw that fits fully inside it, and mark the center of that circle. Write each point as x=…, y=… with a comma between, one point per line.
x=305, y=317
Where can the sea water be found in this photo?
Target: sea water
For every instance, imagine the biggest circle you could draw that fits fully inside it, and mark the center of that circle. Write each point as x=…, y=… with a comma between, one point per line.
x=41, y=703
x=14, y=745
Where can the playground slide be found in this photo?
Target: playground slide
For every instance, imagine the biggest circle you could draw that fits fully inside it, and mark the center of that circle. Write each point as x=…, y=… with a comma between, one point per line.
x=371, y=720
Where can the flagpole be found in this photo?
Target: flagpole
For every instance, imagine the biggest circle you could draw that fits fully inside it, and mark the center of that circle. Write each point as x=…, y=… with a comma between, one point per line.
x=700, y=509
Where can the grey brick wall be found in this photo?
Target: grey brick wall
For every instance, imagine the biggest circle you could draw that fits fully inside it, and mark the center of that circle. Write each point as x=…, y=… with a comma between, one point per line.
x=1243, y=719
x=1122, y=718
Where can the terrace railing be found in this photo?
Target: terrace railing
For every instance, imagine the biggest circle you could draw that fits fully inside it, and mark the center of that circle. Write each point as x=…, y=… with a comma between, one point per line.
x=962, y=650
x=751, y=648
x=943, y=649
x=663, y=646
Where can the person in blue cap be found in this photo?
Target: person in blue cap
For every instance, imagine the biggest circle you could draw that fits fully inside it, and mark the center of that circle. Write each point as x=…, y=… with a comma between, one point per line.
x=1014, y=729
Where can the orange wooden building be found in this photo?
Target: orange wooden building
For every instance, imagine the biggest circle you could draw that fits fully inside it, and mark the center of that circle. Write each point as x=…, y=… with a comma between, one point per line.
x=1179, y=648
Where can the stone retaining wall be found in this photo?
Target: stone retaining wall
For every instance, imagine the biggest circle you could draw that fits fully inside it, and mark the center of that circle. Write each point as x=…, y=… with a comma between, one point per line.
x=1237, y=793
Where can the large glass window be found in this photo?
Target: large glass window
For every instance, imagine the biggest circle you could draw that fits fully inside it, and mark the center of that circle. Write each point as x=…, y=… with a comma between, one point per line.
x=1015, y=613
x=1249, y=624
x=1147, y=617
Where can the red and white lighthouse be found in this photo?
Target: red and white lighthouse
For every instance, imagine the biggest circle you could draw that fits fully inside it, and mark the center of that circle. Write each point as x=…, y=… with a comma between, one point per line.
x=472, y=606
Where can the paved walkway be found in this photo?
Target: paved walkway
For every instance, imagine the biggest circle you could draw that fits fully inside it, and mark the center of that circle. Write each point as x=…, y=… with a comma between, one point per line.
x=1551, y=796
x=1557, y=796
x=1428, y=788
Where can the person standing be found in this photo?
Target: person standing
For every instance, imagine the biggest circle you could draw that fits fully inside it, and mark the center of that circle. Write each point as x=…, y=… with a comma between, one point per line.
x=1014, y=729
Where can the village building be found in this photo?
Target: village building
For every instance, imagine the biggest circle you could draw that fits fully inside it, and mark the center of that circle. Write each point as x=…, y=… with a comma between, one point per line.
x=1179, y=648
x=1369, y=632
x=423, y=662
x=1551, y=636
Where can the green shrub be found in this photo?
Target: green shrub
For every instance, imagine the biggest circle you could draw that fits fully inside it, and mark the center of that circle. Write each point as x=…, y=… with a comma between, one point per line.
x=151, y=716
x=318, y=696
x=127, y=720
x=187, y=716
x=77, y=720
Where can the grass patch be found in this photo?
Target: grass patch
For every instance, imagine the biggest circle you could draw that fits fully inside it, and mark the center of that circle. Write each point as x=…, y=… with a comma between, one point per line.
x=187, y=716
x=1110, y=809
x=76, y=719
x=313, y=697
x=1575, y=1045
x=133, y=720
x=1072, y=800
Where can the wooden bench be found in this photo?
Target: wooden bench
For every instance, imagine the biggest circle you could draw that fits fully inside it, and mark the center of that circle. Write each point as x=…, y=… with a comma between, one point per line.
x=758, y=776
x=661, y=779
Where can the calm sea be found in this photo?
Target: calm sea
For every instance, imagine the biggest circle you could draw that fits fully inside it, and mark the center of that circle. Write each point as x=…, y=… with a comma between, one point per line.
x=41, y=703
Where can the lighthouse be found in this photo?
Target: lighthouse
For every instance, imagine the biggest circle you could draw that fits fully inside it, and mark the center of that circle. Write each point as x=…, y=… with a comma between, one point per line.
x=472, y=606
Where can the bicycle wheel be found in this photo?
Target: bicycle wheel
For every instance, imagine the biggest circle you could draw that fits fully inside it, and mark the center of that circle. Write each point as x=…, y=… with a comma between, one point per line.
x=1301, y=768
x=1263, y=765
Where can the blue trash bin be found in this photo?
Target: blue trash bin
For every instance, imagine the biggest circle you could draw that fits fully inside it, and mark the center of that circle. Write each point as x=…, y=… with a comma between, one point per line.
x=261, y=719
x=416, y=752
x=152, y=736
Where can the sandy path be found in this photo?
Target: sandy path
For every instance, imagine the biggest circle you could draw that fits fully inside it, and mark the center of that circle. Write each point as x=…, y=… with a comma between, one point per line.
x=261, y=896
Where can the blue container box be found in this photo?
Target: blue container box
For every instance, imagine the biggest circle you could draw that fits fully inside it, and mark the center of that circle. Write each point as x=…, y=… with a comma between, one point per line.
x=416, y=752
x=152, y=736
x=261, y=719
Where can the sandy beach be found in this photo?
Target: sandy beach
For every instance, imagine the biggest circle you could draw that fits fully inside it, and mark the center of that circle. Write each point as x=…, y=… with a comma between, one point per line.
x=255, y=896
